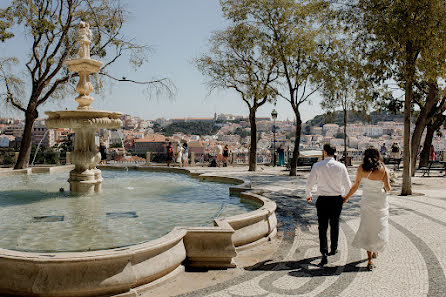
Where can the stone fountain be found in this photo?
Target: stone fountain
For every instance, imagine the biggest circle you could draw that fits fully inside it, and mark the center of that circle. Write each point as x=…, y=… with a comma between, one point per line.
x=85, y=177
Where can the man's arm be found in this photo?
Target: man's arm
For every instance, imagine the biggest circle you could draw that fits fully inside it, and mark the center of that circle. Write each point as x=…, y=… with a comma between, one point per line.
x=312, y=179
x=346, y=180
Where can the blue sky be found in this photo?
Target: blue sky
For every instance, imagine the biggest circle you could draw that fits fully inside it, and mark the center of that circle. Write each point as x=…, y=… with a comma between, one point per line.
x=178, y=31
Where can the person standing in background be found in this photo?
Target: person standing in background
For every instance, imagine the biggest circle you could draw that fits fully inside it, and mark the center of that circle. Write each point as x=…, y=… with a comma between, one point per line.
x=103, y=152
x=185, y=154
x=225, y=156
x=281, y=153
x=219, y=154
x=383, y=150
x=170, y=154
x=180, y=154
x=432, y=153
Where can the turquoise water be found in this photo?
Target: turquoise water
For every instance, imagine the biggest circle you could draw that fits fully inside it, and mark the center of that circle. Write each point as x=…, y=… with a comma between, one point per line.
x=133, y=207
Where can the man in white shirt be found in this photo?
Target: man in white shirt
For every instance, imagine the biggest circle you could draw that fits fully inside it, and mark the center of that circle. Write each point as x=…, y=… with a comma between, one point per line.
x=332, y=180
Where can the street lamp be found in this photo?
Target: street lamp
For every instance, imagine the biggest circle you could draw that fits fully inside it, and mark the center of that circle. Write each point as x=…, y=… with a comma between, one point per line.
x=274, y=116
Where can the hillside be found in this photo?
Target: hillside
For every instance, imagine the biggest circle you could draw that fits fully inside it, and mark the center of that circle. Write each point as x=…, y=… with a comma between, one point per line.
x=195, y=128
x=338, y=118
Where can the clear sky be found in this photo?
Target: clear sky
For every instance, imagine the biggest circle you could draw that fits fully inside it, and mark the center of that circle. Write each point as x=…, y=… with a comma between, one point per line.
x=178, y=31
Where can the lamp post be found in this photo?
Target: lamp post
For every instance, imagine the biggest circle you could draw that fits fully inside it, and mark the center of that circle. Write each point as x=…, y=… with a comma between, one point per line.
x=274, y=116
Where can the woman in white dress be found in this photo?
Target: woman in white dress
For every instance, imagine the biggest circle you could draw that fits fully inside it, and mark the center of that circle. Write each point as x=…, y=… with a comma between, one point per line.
x=373, y=232
x=180, y=150
x=185, y=155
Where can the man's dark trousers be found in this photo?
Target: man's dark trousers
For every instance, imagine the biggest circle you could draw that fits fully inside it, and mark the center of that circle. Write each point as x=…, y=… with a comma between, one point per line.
x=328, y=210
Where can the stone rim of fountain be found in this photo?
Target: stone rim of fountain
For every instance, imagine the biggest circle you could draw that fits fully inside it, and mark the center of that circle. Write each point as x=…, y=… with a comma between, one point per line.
x=137, y=268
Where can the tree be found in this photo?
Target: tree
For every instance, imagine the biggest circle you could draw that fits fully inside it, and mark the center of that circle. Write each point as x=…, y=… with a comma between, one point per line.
x=431, y=106
x=297, y=32
x=52, y=27
x=239, y=59
x=399, y=40
x=342, y=83
x=432, y=127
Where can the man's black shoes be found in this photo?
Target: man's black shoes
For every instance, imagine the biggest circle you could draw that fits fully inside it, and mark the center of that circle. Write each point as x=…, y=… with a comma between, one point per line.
x=324, y=260
x=332, y=253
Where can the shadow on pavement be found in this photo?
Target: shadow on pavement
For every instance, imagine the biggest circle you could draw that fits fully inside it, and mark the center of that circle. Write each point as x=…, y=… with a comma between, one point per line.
x=305, y=268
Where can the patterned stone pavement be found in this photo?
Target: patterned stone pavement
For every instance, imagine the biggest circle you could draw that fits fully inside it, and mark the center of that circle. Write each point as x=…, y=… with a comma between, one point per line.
x=413, y=264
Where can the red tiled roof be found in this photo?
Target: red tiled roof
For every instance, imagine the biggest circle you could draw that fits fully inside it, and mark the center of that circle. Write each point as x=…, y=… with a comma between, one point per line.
x=152, y=138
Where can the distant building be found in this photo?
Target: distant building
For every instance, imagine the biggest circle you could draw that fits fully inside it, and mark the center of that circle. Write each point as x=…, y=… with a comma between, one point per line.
x=5, y=140
x=115, y=137
x=154, y=143
x=15, y=130
x=205, y=120
x=229, y=117
x=196, y=147
x=43, y=135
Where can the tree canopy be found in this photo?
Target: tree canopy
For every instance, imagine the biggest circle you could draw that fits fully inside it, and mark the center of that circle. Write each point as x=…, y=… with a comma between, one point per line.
x=402, y=41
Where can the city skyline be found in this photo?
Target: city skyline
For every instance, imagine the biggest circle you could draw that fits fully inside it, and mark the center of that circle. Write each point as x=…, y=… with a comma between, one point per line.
x=175, y=44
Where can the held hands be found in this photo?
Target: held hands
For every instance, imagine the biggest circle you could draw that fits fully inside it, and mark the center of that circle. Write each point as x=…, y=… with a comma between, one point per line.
x=309, y=199
x=344, y=198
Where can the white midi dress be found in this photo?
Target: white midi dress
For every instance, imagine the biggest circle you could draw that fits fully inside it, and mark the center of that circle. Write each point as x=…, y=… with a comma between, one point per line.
x=373, y=232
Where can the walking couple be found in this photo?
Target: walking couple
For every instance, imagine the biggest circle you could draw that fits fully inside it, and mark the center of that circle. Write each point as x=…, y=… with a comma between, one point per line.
x=332, y=181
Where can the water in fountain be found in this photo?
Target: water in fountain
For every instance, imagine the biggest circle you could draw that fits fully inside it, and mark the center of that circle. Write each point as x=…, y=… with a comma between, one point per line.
x=35, y=216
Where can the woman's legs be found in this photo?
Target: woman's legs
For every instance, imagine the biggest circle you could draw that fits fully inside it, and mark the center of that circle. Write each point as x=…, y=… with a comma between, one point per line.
x=370, y=263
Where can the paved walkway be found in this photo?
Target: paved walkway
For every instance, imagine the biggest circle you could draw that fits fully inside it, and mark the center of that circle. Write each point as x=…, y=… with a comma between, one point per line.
x=413, y=264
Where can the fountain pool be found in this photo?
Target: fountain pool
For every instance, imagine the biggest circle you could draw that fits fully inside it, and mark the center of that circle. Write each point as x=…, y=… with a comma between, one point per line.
x=135, y=207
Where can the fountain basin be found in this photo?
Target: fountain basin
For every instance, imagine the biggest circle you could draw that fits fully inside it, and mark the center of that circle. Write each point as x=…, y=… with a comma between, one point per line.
x=132, y=270
x=84, y=64
x=96, y=119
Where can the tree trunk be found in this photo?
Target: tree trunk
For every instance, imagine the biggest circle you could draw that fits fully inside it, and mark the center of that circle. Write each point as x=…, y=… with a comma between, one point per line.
x=431, y=128
x=421, y=123
x=293, y=163
x=25, y=145
x=345, y=136
x=415, y=142
x=406, y=188
x=253, y=145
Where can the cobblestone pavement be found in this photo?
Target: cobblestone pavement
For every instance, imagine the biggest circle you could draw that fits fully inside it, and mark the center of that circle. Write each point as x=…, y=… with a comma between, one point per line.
x=413, y=264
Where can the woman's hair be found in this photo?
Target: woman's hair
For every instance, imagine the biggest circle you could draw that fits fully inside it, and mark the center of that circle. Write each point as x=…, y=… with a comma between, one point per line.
x=185, y=144
x=372, y=159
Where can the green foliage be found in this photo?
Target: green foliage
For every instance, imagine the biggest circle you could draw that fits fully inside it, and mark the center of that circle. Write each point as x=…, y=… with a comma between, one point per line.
x=66, y=146
x=403, y=41
x=8, y=159
x=44, y=155
x=239, y=60
x=196, y=128
x=115, y=145
x=337, y=117
x=157, y=127
x=339, y=134
x=241, y=132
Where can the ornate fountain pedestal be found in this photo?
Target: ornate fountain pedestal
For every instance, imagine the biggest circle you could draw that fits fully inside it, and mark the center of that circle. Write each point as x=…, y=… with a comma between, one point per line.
x=85, y=177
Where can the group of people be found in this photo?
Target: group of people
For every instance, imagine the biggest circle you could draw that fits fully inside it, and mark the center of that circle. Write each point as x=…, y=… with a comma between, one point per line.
x=222, y=155
x=182, y=157
x=395, y=151
x=334, y=188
